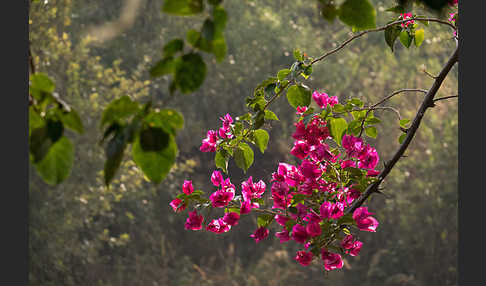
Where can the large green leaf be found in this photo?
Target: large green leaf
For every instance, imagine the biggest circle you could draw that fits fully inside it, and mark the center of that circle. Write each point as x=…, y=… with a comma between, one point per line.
x=244, y=156
x=56, y=165
x=118, y=109
x=154, y=139
x=419, y=37
x=190, y=73
x=40, y=83
x=221, y=161
x=405, y=38
x=182, y=7
x=298, y=95
x=172, y=47
x=359, y=14
x=261, y=139
x=155, y=164
x=391, y=34
x=337, y=126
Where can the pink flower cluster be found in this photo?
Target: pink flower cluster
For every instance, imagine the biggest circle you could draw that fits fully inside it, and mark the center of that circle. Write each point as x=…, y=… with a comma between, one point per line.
x=406, y=16
x=211, y=141
x=307, y=180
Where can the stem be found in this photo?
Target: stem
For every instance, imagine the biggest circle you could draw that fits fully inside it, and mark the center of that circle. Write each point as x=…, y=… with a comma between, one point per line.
x=426, y=103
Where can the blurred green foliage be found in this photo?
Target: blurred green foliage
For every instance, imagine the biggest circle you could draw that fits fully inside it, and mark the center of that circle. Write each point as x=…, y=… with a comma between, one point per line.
x=82, y=233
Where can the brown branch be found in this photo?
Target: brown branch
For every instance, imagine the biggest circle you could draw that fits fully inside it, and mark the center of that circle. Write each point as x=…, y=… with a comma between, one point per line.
x=445, y=97
x=426, y=103
x=377, y=30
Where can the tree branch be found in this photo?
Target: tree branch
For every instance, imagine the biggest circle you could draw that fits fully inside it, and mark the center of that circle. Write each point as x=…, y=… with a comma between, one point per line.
x=426, y=103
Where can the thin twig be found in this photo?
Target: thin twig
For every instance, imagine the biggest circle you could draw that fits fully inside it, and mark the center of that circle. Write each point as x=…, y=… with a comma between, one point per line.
x=377, y=30
x=445, y=97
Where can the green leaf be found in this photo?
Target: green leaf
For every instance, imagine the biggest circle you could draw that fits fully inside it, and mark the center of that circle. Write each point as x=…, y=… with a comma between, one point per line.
x=337, y=126
x=357, y=102
x=190, y=73
x=114, y=154
x=405, y=38
x=35, y=120
x=154, y=139
x=298, y=55
x=219, y=48
x=168, y=119
x=207, y=30
x=264, y=220
x=261, y=139
x=270, y=115
x=371, y=132
x=220, y=18
x=172, y=47
x=40, y=83
x=329, y=12
x=358, y=14
x=155, y=164
x=391, y=34
x=244, y=156
x=372, y=120
x=354, y=127
x=72, y=120
x=39, y=143
x=56, y=165
x=298, y=95
x=419, y=37
x=119, y=109
x=192, y=36
x=163, y=67
x=221, y=161
x=402, y=138
x=404, y=122
x=182, y=7
x=282, y=74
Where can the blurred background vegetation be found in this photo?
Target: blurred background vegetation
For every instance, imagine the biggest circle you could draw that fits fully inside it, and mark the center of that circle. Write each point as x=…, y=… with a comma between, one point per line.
x=82, y=233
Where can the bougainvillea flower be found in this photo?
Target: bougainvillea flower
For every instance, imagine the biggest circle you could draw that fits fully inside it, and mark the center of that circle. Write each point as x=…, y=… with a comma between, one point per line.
x=313, y=229
x=301, y=149
x=356, y=248
x=304, y=258
x=177, y=205
x=300, y=131
x=281, y=220
x=209, y=143
x=231, y=218
x=337, y=210
x=406, y=16
x=364, y=220
x=325, y=210
x=283, y=236
x=252, y=190
x=372, y=173
x=301, y=110
x=368, y=158
x=187, y=187
x=347, y=241
x=333, y=100
x=224, y=133
x=260, y=234
x=299, y=233
x=331, y=260
x=217, y=178
x=320, y=98
x=245, y=207
x=227, y=120
x=348, y=163
x=353, y=145
x=310, y=170
x=218, y=226
x=221, y=198
x=194, y=221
